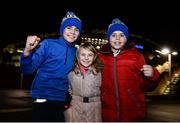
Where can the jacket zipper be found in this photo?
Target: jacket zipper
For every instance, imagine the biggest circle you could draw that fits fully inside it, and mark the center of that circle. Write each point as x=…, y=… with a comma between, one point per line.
x=66, y=54
x=116, y=91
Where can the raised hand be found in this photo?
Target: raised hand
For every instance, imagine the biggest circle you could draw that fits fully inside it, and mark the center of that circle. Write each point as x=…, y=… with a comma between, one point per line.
x=31, y=43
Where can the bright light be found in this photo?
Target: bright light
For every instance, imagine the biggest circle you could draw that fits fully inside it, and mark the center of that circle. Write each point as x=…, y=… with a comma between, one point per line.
x=174, y=53
x=98, y=47
x=139, y=46
x=19, y=51
x=165, y=51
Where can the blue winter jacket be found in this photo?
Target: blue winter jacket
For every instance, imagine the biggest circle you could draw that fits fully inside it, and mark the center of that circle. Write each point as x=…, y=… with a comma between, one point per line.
x=53, y=60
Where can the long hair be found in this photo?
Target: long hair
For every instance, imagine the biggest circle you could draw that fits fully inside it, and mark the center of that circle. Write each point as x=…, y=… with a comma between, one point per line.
x=96, y=64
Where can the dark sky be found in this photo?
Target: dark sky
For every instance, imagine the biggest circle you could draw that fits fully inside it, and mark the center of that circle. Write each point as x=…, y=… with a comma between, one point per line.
x=158, y=22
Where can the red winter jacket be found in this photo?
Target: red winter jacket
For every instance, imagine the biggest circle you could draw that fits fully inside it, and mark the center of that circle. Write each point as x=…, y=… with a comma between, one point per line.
x=123, y=86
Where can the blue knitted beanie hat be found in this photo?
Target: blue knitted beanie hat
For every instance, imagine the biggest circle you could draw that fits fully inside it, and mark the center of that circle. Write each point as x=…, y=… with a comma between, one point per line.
x=115, y=26
x=70, y=20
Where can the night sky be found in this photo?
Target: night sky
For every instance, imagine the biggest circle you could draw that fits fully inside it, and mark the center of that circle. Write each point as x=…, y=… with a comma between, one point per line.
x=158, y=22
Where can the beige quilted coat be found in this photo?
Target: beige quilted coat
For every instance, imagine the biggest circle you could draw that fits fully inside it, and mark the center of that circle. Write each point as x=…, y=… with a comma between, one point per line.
x=87, y=85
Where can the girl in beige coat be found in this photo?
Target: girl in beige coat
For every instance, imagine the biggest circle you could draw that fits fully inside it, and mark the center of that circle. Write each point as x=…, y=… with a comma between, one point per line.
x=85, y=82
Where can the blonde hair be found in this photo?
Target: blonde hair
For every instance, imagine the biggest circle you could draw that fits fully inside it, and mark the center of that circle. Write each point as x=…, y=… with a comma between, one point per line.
x=96, y=64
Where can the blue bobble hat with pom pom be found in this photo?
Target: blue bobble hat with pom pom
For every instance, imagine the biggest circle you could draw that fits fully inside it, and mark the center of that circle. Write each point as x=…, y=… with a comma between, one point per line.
x=70, y=20
x=117, y=25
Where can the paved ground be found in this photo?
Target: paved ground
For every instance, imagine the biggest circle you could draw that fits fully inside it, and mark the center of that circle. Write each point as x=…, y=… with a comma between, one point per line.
x=14, y=100
x=15, y=106
x=164, y=109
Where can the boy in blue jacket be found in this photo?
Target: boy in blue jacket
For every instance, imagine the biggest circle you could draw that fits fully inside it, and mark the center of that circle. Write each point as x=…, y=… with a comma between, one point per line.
x=52, y=61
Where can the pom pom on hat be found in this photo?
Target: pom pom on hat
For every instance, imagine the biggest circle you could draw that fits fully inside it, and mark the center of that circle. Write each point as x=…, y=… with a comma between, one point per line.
x=115, y=26
x=70, y=20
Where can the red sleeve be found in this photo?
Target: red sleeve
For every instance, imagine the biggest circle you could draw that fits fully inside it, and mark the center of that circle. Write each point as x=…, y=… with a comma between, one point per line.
x=150, y=83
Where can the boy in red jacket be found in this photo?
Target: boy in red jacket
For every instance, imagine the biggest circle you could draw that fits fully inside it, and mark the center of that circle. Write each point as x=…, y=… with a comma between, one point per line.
x=125, y=77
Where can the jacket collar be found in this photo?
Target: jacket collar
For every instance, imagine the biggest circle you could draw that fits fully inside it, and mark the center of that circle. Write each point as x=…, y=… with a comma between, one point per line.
x=106, y=49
